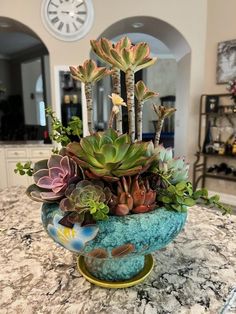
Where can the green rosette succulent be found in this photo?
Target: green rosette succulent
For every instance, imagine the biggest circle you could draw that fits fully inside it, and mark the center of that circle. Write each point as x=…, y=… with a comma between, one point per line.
x=84, y=198
x=174, y=169
x=109, y=156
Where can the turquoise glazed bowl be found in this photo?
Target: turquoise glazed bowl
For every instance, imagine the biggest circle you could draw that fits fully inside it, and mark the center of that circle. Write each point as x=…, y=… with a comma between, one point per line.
x=115, y=249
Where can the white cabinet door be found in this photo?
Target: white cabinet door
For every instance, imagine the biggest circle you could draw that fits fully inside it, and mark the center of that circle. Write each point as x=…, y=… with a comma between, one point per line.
x=13, y=178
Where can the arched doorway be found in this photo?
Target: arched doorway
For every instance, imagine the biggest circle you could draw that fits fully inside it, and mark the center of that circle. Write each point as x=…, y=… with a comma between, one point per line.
x=24, y=58
x=152, y=30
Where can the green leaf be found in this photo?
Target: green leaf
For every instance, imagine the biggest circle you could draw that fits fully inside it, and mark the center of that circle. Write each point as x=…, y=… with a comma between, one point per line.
x=189, y=202
x=176, y=207
x=181, y=186
x=197, y=194
x=166, y=199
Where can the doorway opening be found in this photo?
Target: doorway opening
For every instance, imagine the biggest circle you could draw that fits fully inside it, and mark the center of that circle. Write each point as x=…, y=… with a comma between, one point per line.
x=24, y=66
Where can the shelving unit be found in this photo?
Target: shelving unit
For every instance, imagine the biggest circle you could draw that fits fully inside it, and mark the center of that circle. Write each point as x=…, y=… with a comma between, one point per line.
x=207, y=114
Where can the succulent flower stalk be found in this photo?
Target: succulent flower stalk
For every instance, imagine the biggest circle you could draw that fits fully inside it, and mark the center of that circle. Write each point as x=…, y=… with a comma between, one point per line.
x=116, y=109
x=89, y=73
x=162, y=113
x=142, y=93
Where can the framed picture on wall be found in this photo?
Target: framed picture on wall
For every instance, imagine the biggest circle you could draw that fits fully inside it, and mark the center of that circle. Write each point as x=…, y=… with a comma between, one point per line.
x=226, y=61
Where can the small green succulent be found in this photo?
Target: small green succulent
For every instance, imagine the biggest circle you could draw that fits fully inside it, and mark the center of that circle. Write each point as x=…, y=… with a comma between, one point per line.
x=173, y=169
x=110, y=156
x=86, y=197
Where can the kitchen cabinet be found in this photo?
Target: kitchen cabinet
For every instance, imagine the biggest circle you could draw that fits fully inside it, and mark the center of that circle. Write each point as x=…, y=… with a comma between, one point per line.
x=13, y=153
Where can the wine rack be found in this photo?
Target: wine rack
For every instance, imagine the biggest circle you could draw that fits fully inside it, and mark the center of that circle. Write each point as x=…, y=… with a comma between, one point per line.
x=217, y=125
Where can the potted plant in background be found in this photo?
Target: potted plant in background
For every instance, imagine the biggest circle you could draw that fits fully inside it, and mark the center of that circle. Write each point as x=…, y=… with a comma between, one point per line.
x=111, y=197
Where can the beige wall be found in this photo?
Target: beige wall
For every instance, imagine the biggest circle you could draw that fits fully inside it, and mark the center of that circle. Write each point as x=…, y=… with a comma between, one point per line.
x=221, y=26
x=187, y=16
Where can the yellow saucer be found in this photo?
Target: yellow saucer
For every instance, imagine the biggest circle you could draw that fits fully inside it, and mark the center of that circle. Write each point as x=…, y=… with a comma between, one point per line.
x=148, y=266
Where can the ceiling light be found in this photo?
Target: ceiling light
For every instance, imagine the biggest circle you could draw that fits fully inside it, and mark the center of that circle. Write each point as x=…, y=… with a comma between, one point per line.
x=137, y=25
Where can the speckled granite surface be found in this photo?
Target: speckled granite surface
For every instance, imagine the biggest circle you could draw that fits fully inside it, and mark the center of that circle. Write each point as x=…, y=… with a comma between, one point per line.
x=194, y=274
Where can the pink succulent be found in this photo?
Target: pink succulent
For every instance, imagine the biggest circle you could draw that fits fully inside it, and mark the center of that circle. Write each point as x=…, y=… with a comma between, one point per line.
x=60, y=173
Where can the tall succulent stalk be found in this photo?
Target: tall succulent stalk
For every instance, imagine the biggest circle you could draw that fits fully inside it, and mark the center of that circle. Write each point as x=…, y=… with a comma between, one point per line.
x=162, y=113
x=89, y=101
x=89, y=73
x=159, y=126
x=117, y=90
x=139, y=120
x=128, y=58
x=129, y=81
x=142, y=94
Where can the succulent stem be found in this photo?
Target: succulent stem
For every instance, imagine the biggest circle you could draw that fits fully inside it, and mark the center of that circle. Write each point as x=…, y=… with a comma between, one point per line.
x=89, y=101
x=129, y=80
x=111, y=119
x=159, y=126
x=116, y=89
x=139, y=120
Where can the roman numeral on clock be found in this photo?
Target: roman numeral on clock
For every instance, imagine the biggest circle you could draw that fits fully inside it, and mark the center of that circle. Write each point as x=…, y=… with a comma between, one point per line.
x=80, y=20
x=55, y=5
x=55, y=20
x=75, y=26
x=60, y=26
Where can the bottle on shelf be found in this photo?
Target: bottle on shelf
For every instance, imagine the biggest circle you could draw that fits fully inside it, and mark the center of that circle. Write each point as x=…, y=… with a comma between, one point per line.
x=46, y=137
x=207, y=145
x=234, y=146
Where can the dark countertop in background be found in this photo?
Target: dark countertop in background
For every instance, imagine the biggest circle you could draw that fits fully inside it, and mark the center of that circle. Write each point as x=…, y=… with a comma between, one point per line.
x=195, y=274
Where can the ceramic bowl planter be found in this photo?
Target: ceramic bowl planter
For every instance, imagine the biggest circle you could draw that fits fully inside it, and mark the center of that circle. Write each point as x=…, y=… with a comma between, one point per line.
x=115, y=250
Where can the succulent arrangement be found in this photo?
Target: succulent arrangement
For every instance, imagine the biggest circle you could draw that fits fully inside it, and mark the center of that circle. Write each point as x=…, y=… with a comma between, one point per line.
x=109, y=173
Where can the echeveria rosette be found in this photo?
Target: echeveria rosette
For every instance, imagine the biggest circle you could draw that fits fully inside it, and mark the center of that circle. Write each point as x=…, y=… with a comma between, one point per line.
x=123, y=55
x=52, y=177
x=109, y=156
x=73, y=239
x=134, y=195
x=174, y=169
x=87, y=197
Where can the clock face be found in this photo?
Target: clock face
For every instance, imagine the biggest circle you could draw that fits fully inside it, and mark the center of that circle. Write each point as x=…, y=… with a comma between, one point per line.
x=67, y=19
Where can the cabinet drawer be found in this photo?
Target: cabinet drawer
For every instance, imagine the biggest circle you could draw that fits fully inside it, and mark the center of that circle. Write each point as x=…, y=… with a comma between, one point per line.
x=16, y=153
x=40, y=153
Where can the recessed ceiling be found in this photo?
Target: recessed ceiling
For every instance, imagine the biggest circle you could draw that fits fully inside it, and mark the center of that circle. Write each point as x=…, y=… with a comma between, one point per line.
x=14, y=42
x=156, y=46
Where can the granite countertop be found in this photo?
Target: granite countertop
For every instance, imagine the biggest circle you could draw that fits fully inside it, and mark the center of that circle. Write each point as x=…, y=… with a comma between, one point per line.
x=194, y=274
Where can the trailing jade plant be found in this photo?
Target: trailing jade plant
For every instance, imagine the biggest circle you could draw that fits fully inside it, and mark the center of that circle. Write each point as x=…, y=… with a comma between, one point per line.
x=110, y=173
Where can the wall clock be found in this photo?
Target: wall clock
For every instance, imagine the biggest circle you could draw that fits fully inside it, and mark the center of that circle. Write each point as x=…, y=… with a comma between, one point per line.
x=67, y=20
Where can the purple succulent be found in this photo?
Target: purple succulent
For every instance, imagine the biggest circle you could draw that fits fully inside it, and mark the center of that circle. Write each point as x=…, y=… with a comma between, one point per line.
x=52, y=181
